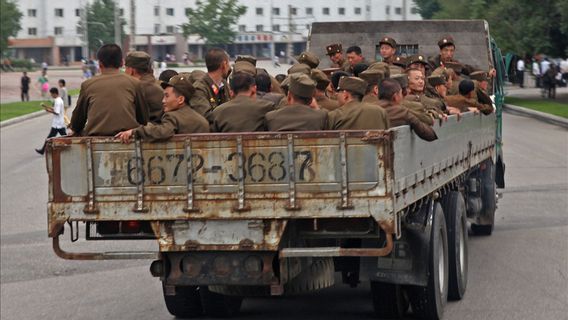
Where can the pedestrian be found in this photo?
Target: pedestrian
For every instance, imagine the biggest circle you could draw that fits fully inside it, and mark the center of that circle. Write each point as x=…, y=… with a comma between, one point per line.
x=536, y=73
x=521, y=72
x=25, y=87
x=58, y=122
x=549, y=82
x=44, y=66
x=43, y=83
x=276, y=61
x=163, y=66
x=64, y=95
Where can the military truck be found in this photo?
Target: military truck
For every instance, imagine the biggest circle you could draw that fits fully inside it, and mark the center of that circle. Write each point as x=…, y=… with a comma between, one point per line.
x=260, y=214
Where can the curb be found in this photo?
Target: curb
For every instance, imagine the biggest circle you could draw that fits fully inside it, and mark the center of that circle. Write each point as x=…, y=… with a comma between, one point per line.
x=25, y=117
x=556, y=120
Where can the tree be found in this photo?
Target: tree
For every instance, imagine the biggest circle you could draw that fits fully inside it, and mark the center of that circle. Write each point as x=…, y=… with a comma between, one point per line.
x=9, y=23
x=427, y=8
x=214, y=21
x=100, y=24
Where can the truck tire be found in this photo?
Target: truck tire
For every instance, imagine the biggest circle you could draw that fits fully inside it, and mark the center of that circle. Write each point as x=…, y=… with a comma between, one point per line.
x=456, y=222
x=319, y=275
x=219, y=305
x=186, y=303
x=389, y=300
x=429, y=302
x=488, y=200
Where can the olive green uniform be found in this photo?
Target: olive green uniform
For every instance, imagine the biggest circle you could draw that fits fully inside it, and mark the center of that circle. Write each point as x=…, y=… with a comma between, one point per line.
x=463, y=104
x=153, y=94
x=399, y=116
x=242, y=114
x=109, y=103
x=326, y=103
x=180, y=121
x=356, y=115
x=296, y=117
x=208, y=95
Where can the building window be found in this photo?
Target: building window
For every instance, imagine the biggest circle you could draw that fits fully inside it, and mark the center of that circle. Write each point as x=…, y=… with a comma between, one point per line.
x=276, y=11
x=398, y=10
x=325, y=11
x=242, y=28
x=293, y=11
x=156, y=11
x=170, y=11
x=414, y=10
x=388, y=10
x=357, y=11
x=58, y=31
x=157, y=28
x=59, y=12
x=341, y=11
x=32, y=12
x=259, y=11
x=276, y=27
x=310, y=11
x=170, y=29
x=259, y=28
x=187, y=10
x=78, y=12
x=121, y=12
x=79, y=30
x=32, y=31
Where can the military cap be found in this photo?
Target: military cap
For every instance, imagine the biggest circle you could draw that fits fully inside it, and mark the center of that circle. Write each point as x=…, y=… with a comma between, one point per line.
x=321, y=79
x=417, y=58
x=247, y=58
x=285, y=84
x=333, y=49
x=436, y=80
x=402, y=79
x=300, y=68
x=446, y=41
x=302, y=85
x=400, y=61
x=352, y=84
x=245, y=66
x=138, y=60
x=388, y=40
x=309, y=58
x=182, y=84
x=372, y=76
x=457, y=67
x=381, y=66
x=479, y=76
x=358, y=68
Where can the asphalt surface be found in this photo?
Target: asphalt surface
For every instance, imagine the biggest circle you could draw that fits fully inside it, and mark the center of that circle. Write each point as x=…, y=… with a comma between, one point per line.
x=520, y=272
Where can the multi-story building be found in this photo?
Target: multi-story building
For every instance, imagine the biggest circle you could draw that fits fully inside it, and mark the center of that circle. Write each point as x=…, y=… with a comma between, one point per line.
x=51, y=29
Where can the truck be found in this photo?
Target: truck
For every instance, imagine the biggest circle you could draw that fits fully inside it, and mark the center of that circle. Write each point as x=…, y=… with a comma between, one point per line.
x=246, y=214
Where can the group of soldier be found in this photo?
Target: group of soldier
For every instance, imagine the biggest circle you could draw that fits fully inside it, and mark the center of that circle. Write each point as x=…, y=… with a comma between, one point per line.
x=352, y=95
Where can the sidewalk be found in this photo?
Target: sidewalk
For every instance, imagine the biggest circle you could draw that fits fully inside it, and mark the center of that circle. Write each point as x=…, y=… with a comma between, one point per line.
x=535, y=93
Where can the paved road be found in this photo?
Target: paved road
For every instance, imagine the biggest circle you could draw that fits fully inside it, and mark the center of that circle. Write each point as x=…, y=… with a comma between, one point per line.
x=521, y=272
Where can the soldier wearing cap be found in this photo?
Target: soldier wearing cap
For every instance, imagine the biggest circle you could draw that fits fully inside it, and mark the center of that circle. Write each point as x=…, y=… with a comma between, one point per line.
x=418, y=61
x=322, y=82
x=436, y=91
x=481, y=80
x=373, y=77
x=244, y=113
x=300, y=68
x=466, y=100
x=353, y=113
x=252, y=60
x=178, y=117
x=297, y=115
x=139, y=65
x=390, y=95
x=335, y=53
x=398, y=65
x=110, y=102
x=309, y=58
x=447, y=51
x=212, y=90
x=387, y=49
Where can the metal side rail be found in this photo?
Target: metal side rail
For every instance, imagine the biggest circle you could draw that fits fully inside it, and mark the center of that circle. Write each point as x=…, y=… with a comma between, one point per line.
x=111, y=255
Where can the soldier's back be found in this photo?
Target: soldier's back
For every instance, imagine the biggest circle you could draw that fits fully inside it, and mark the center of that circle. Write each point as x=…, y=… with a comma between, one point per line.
x=242, y=114
x=296, y=118
x=153, y=95
x=357, y=115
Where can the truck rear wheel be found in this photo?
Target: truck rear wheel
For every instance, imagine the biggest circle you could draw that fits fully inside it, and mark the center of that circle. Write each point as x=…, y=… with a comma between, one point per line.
x=429, y=302
x=456, y=222
x=488, y=200
x=319, y=275
x=389, y=300
x=219, y=305
x=185, y=303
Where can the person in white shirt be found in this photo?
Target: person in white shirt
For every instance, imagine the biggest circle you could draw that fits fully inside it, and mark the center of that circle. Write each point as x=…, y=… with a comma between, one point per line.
x=58, y=122
x=536, y=73
x=544, y=65
x=521, y=72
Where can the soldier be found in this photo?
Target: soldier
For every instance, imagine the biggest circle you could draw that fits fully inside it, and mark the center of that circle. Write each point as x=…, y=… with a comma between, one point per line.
x=373, y=77
x=447, y=52
x=419, y=62
x=353, y=113
x=387, y=49
x=252, y=60
x=335, y=53
x=480, y=78
x=322, y=82
x=309, y=58
x=300, y=68
x=264, y=89
x=244, y=113
x=110, y=102
x=437, y=91
x=390, y=94
x=354, y=56
x=212, y=90
x=178, y=117
x=297, y=115
x=398, y=66
x=466, y=100
x=139, y=65
x=415, y=100
x=166, y=75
